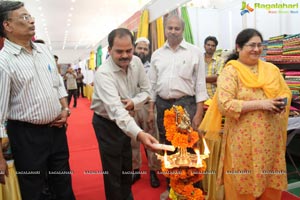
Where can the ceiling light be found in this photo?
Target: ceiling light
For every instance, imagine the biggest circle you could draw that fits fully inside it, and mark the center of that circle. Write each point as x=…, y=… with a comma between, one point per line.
x=40, y=8
x=70, y=15
x=71, y=8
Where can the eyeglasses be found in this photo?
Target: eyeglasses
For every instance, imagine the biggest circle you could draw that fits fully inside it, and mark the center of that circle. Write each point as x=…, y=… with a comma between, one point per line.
x=253, y=45
x=25, y=18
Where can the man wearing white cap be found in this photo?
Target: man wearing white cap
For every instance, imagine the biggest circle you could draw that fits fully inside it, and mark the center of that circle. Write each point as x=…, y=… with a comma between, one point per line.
x=142, y=51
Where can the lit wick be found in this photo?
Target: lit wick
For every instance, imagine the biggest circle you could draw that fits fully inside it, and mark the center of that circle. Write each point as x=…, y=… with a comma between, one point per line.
x=199, y=160
x=206, y=150
x=167, y=163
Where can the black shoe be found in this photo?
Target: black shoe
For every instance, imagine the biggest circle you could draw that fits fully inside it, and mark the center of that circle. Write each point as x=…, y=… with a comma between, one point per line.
x=136, y=176
x=154, y=181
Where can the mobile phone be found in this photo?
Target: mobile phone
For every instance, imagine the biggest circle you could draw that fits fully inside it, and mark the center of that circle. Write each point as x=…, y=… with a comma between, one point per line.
x=285, y=100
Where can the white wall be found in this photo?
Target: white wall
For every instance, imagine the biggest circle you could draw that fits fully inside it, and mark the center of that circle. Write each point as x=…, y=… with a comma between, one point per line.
x=204, y=22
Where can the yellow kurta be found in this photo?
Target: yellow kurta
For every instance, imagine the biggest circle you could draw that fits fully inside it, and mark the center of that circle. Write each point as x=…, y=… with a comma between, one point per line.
x=252, y=141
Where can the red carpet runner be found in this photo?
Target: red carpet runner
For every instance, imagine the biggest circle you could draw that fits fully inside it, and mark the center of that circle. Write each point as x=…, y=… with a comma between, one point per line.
x=84, y=158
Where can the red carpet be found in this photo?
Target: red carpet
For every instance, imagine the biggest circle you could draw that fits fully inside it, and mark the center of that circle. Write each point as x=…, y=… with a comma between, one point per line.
x=84, y=157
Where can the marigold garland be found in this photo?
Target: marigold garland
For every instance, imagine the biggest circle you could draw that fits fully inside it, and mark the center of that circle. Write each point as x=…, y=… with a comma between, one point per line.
x=182, y=139
x=183, y=178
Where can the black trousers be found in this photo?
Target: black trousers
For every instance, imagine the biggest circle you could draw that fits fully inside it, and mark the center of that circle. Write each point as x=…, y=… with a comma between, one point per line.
x=74, y=94
x=116, y=158
x=37, y=150
x=80, y=89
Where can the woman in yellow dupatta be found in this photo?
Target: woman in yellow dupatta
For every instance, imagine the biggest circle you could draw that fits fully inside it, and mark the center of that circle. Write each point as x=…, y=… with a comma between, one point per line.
x=250, y=95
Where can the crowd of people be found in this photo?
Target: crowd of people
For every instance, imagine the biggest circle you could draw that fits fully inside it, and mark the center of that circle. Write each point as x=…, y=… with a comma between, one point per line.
x=132, y=89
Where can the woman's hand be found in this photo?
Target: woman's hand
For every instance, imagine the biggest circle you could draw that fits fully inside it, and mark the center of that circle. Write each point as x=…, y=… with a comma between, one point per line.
x=275, y=105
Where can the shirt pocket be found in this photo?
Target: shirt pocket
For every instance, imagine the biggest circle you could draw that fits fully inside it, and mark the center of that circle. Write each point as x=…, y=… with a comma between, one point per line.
x=186, y=69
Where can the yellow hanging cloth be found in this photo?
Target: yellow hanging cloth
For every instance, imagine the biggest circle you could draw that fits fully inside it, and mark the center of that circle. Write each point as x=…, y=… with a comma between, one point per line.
x=144, y=25
x=92, y=61
x=160, y=32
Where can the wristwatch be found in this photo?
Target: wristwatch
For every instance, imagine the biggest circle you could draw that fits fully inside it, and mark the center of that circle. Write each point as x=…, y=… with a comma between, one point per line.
x=68, y=110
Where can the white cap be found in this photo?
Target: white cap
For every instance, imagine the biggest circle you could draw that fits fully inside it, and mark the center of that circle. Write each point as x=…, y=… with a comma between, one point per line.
x=142, y=39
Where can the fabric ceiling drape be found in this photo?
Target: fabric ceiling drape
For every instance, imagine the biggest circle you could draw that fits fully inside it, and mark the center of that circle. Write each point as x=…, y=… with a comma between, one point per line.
x=188, y=36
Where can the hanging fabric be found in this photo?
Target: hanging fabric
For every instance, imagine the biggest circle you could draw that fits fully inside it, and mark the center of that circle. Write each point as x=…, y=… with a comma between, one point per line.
x=144, y=25
x=153, y=36
x=92, y=61
x=99, y=56
x=188, y=36
x=160, y=32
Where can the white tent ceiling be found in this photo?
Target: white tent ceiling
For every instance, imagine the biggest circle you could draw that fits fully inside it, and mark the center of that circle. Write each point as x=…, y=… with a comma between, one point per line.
x=68, y=25
x=72, y=28
x=72, y=24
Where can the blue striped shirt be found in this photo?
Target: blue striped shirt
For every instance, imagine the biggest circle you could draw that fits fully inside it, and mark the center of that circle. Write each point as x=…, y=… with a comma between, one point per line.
x=30, y=85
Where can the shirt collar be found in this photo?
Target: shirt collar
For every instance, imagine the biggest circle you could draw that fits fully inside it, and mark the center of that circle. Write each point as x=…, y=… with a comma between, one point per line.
x=16, y=49
x=183, y=44
x=214, y=57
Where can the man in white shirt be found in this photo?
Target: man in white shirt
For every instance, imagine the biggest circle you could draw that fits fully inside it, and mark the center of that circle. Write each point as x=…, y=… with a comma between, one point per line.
x=33, y=103
x=120, y=88
x=177, y=77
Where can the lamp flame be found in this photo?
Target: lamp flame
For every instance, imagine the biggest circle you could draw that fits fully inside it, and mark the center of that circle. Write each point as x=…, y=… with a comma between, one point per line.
x=167, y=163
x=199, y=160
x=206, y=150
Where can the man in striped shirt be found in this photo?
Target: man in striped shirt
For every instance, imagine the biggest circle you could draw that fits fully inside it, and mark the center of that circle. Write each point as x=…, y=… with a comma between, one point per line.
x=33, y=103
x=213, y=65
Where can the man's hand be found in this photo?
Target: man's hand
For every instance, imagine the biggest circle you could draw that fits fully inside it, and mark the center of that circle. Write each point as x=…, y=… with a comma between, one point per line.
x=128, y=103
x=3, y=170
x=196, y=121
x=61, y=120
x=147, y=140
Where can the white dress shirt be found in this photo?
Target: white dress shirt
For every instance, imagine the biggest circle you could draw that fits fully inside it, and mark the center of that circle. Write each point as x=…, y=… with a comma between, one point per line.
x=112, y=84
x=177, y=73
